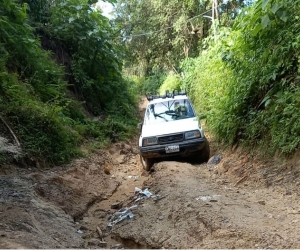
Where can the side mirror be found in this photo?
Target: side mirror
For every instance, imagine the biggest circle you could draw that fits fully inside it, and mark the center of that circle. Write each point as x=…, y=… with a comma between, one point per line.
x=201, y=116
x=140, y=125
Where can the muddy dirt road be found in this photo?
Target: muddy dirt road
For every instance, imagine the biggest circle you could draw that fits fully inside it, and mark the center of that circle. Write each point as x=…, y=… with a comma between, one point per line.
x=241, y=202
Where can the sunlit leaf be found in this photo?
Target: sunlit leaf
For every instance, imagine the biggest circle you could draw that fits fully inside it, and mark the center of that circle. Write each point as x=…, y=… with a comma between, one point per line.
x=265, y=21
x=276, y=7
x=264, y=4
x=267, y=102
x=257, y=28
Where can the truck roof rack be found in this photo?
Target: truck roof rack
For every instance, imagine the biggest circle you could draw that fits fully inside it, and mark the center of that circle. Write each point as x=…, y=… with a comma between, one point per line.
x=168, y=94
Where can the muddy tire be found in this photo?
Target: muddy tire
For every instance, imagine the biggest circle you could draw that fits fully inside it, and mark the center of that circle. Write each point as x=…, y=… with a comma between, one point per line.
x=147, y=163
x=203, y=155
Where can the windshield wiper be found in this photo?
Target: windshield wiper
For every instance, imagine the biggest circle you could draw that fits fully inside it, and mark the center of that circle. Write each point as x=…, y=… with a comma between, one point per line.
x=168, y=112
x=159, y=115
x=172, y=113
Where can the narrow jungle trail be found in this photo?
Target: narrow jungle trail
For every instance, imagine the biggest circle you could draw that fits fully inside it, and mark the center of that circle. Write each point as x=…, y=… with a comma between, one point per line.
x=108, y=201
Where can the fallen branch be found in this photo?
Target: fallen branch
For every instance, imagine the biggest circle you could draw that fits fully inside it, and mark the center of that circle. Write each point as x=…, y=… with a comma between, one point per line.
x=11, y=131
x=99, y=232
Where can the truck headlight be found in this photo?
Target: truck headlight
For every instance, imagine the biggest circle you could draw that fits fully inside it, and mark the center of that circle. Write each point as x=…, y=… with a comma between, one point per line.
x=192, y=134
x=149, y=141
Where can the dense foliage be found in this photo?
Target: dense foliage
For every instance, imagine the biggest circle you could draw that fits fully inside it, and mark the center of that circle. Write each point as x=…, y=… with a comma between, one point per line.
x=61, y=69
x=267, y=46
x=39, y=90
x=160, y=33
x=248, y=81
x=245, y=79
x=157, y=33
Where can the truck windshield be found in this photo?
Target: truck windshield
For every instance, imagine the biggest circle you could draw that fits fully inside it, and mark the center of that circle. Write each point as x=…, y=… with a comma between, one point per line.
x=168, y=111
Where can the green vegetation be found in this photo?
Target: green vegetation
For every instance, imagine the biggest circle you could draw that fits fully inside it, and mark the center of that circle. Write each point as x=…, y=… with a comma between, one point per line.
x=69, y=75
x=159, y=34
x=245, y=77
x=248, y=81
x=60, y=79
x=172, y=82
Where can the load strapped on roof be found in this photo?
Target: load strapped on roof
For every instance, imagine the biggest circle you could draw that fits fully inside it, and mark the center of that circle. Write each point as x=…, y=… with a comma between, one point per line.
x=168, y=94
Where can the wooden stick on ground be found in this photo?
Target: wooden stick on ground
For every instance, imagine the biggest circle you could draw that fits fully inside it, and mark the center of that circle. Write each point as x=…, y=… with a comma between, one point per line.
x=99, y=232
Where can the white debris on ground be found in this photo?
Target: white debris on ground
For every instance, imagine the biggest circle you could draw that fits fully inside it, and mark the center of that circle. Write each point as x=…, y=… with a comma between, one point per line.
x=126, y=212
x=208, y=198
x=121, y=215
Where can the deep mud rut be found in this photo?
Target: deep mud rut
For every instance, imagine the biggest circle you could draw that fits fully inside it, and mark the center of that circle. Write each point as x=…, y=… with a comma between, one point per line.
x=241, y=202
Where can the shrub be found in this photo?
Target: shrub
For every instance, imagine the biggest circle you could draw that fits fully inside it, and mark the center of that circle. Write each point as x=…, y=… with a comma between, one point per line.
x=172, y=82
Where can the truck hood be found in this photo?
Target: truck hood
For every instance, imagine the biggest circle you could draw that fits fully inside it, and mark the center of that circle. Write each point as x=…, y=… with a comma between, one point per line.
x=170, y=127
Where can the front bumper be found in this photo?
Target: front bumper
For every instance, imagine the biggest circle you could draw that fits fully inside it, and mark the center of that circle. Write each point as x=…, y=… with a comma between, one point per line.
x=186, y=148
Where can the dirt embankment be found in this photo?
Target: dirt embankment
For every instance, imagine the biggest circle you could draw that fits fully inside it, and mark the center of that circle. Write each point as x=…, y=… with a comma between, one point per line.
x=102, y=202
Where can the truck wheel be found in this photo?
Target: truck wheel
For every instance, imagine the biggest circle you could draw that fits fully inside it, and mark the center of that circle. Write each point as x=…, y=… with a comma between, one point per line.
x=147, y=163
x=203, y=155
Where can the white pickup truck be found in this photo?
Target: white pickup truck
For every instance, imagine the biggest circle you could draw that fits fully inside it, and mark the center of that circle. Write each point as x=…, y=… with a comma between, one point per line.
x=171, y=128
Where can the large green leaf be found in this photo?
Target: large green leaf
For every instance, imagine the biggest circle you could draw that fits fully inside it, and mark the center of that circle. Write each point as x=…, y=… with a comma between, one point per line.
x=275, y=7
x=265, y=21
x=257, y=28
x=282, y=15
x=264, y=4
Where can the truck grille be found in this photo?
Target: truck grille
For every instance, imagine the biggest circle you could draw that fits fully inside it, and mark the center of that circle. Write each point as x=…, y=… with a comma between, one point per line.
x=170, y=138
